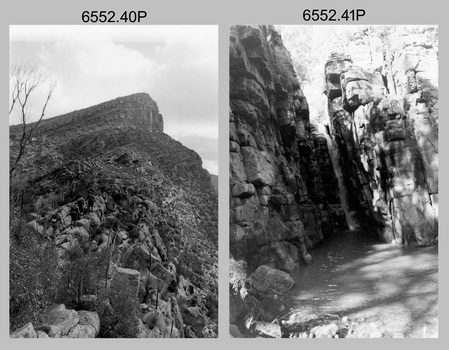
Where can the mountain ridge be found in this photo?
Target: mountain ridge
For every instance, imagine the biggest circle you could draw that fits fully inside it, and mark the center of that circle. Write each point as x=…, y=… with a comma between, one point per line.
x=118, y=151
x=120, y=104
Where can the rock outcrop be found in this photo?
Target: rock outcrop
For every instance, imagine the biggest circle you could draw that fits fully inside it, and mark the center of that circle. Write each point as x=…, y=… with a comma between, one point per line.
x=282, y=183
x=385, y=126
x=149, y=209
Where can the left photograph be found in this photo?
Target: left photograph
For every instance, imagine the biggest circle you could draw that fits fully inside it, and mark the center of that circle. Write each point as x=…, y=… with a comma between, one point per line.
x=113, y=182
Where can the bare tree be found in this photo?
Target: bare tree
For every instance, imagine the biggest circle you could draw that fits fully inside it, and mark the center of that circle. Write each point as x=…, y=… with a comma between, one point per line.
x=24, y=80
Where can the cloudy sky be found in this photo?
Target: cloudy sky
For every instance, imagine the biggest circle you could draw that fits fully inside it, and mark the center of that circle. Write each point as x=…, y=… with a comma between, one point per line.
x=176, y=65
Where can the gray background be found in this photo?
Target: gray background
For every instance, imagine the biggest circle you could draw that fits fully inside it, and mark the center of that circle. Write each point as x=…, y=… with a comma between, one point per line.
x=223, y=14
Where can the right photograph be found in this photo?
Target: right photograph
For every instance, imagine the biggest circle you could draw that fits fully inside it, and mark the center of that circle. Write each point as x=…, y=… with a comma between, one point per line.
x=333, y=142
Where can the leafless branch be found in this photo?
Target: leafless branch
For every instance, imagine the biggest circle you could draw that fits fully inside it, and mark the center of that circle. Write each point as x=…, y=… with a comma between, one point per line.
x=24, y=80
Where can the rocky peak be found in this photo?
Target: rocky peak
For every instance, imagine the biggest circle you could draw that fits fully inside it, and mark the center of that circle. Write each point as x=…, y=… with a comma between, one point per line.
x=138, y=110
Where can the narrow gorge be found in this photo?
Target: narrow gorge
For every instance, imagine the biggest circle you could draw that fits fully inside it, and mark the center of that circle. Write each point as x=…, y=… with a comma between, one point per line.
x=334, y=220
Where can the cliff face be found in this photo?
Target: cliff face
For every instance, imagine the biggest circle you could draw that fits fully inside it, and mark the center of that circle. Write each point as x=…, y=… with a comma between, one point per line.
x=154, y=215
x=282, y=184
x=385, y=127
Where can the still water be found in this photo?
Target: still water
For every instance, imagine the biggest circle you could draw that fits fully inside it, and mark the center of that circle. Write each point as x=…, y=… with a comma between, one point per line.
x=353, y=275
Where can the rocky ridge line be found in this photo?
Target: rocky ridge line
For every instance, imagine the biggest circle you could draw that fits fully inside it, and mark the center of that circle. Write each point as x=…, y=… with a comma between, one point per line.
x=167, y=253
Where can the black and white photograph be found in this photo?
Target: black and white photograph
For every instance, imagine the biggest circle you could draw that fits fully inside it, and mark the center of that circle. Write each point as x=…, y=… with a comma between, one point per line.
x=333, y=189
x=113, y=181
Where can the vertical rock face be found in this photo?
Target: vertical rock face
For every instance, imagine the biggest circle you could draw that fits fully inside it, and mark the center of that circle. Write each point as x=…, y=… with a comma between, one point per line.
x=385, y=127
x=282, y=183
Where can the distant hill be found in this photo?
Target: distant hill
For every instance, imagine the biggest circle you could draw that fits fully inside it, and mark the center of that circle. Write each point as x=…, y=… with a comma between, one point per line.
x=214, y=182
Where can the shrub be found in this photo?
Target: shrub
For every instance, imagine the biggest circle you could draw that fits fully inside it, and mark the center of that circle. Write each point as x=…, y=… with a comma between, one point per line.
x=32, y=276
x=118, y=310
x=81, y=274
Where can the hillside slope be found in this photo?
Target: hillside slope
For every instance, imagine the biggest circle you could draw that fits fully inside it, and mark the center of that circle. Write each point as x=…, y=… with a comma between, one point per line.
x=153, y=217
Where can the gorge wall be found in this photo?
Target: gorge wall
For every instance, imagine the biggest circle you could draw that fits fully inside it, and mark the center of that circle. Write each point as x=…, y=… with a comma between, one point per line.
x=284, y=193
x=376, y=169
x=384, y=123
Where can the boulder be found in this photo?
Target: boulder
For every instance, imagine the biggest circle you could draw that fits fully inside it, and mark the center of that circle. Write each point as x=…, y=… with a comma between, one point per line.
x=84, y=223
x=140, y=257
x=163, y=274
x=325, y=331
x=194, y=317
x=26, y=331
x=268, y=279
x=51, y=331
x=58, y=315
x=243, y=190
x=281, y=254
x=90, y=318
x=234, y=146
x=81, y=331
x=272, y=329
x=42, y=334
x=234, y=331
x=143, y=331
x=152, y=282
